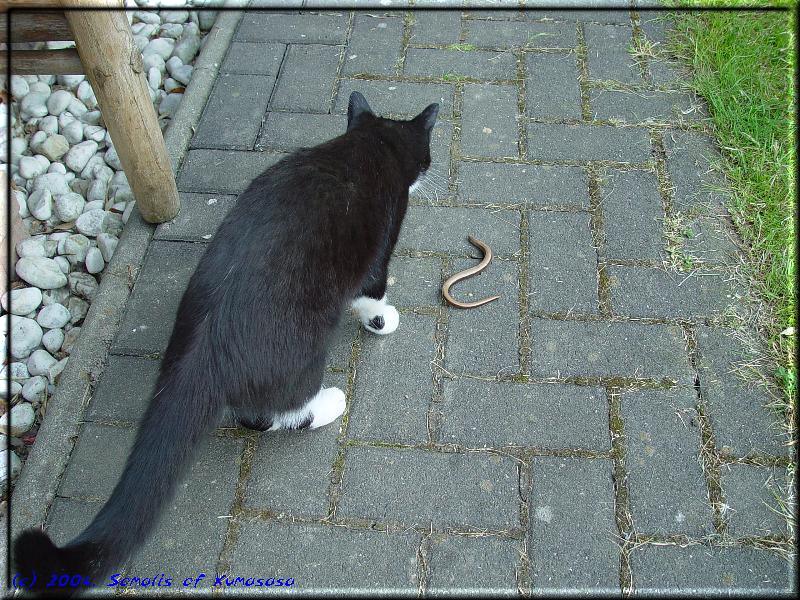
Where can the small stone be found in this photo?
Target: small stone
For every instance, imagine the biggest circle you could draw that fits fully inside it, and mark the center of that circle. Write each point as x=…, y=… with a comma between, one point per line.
x=23, y=300
x=57, y=167
x=86, y=95
x=33, y=105
x=33, y=246
x=77, y=108
x=154, y=61
x=19, y=87
x=22, y=418
x=62, y=263
x=161, y=46
x=79, y=155
x=112, y=223
x=171, y=30
x=77, y=308
x=49, y=125
x=107, y=243
x=92, y=117
x=189, y=43
x=35, y=388
x=94, y=261
x=40, y=361
x=53, y=339
x=171, y=84
x=75, y=248
x=207, y=18
x=183, y=74
x=56, y=183
x=22, y=202
x=90, y=223
x=112, y=159
x=128, y=210
x=55, y=146
x=98, y=191
x=154, y=78
x=73, y=131
x=147, y=17
x=53, y=316
x=18, y=146
x=71, y=82
x=91, y=166
x=37, y=139
x=174, y=16
x=40, y=272
x=70, y=337
x=83, y=284
x=16, y=388
x=40, y=204
x=19, y=371
x=56, y=296
x=94, y=133
x=170, y=104
x=30, y=168
x=58, y=102
x=16, y=465
x=69, y=206
x=26, y=335
x=55, y=370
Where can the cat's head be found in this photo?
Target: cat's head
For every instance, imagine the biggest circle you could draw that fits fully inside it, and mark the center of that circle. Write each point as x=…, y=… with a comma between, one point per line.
x=413, y=137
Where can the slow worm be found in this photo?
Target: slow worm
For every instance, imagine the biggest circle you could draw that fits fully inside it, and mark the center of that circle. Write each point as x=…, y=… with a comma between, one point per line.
x=487, y=258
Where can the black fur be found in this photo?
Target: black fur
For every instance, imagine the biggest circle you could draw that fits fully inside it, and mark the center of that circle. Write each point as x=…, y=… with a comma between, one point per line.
x=306, y=237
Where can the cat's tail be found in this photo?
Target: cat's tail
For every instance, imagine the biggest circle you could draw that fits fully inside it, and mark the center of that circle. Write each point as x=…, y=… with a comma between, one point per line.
x=182, y=410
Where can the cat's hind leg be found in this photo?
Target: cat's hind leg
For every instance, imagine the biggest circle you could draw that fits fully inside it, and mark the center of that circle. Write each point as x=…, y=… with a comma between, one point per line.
x=322, y=408
x=376, y=315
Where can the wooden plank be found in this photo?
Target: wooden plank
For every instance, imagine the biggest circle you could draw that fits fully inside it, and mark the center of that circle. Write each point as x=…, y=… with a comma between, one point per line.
x=43, y=62
x=18, y=233
x=35, y=27
x=6, y=4
x=115, y=70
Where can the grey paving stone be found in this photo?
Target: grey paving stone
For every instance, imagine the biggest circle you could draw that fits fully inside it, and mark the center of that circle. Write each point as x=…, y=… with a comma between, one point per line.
x=499, y=34
x=640, y=107
x=436, y=27
x=324, y=559
x=739, y=417
x=489, y=121
x=414, y=281
x=534, y=185
x=292, y=469
x=234, y=111
x=450, y=489
x=563, y=263
x=667, y=73
x=151, y=309
x=289, y=131
x=567, y=348
x=478, y=64
x=223, y=172
x=668, y=493
x=752, y=494
x=374, y=46
x=485, y=339
x=97, y=461
x=654, y=27
x=644, y=292
x=463, y=565
x=394, y=384
x=546, y=416
x=304, y=89
x=608, y=56
x=190, y=535
x=588, y=142
x=551, y=88
x=701, y=570
x=68, y=518
x=707, y=240
x=253, y=58
x=690, y=159
x=633, y=216
x=124, y=390
x=443, y=229
x=341, y=344
x=397, y=98
x=441, y=140
x=198, y=219
x=292, y=28
x=571, y=540
x=618, y=17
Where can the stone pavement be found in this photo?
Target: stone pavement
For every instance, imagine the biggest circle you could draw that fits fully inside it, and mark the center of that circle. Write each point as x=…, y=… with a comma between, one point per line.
x=585, y=433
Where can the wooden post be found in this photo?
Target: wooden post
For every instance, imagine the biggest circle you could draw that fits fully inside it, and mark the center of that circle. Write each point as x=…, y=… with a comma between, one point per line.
x=113, y=65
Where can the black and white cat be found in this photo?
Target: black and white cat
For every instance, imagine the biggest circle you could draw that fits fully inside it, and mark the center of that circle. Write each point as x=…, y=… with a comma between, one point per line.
x=309, y=236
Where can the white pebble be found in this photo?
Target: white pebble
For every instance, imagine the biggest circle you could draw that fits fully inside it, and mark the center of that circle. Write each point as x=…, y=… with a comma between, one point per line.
x=30, y=168
x=62, y=263
x=86, y=95
x=79, y=155
x=69, y=206
x=40, y=204
x=83, y=284
x=94, y=261
x=16, y=465
x=58, y=102
x=19, y=87
x=49, y=124
x=54, y=147
x=40, y=272
x=34, y=389
x=112, y=159
x=75, y=248
x=56, y=183
x=26, y=335
x=33, y=105
x=73, y=132
x=57, y=167
x=33, y=246
x=107, y=243
x=53, y=316
x=161, y=46
x=94, y=133
x=22, y=418
x=71, y=82
x=40, y=360
x=23, y=300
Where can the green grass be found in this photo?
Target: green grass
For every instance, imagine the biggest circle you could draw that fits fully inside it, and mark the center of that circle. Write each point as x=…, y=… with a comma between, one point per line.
x=743, y=66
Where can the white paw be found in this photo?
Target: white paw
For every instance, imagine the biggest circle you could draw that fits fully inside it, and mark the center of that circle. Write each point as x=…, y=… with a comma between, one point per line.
x=326, y=406
x=385, y=322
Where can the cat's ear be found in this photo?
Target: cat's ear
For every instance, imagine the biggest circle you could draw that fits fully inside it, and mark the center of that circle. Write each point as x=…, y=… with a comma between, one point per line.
x=355, y=108
x=427, y=118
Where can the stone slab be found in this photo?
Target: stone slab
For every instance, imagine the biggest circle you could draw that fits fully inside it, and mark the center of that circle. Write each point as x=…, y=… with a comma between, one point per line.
x=645, y=107
x=292, y=28
x=253, y=58
x=234, y=111
x=575, y=348
x=460, y=565
x=414, y=282
x=633, y=215
x=450, y=489
x=563, y=263
x=543, y=416
x=607, y=50
x=218, y=171
x=150, y=313
x=696, y=184
x=668, y=492
x=754, y=496
x=198, y=219
x=124, y=389
x=587, y=142
x=498, y=34
x=489, y=121
x=375, y=45
x=301, y=89
x=476, y=64
x=436, y=27
x=551, y=89
x=485, y=340
x=571, y=539
x=533, y=185
x=397, y=98
x=290, y=131
x=394, y=383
